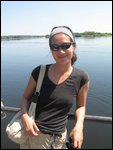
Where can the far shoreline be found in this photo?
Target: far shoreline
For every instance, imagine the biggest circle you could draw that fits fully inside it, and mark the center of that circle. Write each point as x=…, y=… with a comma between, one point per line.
x=87, y=34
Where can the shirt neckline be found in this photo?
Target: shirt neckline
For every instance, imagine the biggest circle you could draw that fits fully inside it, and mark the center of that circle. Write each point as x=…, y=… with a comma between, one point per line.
x=62, y=81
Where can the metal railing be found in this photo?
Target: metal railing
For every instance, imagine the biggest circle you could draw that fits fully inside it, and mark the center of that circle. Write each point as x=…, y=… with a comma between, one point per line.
x=87, y=117
x=95, y=118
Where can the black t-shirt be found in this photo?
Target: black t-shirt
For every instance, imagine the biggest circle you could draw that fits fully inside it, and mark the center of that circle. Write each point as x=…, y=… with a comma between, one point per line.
x=55, y=101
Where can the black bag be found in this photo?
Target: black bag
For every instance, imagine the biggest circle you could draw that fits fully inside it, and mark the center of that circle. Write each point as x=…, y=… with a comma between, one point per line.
x=69, y=143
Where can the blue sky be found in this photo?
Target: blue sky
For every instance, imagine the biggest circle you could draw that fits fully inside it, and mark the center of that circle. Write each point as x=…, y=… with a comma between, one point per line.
x=39, y=17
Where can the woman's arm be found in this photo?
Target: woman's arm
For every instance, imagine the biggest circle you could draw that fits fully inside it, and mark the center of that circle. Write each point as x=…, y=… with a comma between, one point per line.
x=77, y=131
x=27, y=95
x=30, y=125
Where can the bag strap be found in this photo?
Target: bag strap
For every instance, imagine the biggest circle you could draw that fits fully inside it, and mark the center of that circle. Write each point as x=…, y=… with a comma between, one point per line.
x=40, y=78
x=32, y=107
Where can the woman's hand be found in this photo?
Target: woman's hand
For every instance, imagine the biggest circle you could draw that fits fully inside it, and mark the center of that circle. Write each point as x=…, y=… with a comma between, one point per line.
x=30, y=126
x=77, y=137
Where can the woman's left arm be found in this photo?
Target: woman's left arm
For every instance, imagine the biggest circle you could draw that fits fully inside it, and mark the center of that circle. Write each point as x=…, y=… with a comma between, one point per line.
x=77, y=132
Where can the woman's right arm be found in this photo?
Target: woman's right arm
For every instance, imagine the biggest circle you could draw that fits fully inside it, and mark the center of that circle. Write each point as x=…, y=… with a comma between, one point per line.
x=30, y=125
x=27, y=95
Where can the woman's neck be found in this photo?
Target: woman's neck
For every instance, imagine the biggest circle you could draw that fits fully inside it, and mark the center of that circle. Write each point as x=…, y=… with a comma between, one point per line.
x=62, y=68
x=59, y=73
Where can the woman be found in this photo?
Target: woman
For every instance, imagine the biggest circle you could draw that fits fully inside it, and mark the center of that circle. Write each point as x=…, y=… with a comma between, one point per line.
x=62, y=85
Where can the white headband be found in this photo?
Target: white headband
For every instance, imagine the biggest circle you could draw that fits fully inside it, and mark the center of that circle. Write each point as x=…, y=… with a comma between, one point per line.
x=62, y=30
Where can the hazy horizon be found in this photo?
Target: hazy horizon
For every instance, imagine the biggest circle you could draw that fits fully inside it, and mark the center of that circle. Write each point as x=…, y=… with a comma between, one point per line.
x=48, y=34
x=39, y=17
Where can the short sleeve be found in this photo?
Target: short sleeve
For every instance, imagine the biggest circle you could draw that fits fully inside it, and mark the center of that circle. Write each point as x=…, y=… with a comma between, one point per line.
x=84, y=78
x=35, y=73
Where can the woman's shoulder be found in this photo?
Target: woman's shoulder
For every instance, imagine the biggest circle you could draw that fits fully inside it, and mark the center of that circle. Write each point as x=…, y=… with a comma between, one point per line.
x=80, y=76
x=79, y=70
x=35, y=71
x=37, y=68
x=81, y=73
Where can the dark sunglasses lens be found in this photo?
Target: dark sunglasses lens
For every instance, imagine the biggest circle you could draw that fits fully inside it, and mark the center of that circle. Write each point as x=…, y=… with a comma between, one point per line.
x=54, y=47
x=65, y=46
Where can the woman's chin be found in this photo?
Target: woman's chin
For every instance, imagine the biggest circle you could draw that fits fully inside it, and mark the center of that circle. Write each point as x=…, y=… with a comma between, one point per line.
x=64, y=62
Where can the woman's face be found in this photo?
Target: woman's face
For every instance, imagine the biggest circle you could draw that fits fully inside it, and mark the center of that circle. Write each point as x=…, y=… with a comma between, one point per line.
x=62, y=56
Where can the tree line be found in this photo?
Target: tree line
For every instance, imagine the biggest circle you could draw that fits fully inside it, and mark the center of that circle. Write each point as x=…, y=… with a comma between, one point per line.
x=77, y=34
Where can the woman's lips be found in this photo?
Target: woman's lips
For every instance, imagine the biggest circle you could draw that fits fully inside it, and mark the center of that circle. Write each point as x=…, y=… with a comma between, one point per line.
x=60, y=57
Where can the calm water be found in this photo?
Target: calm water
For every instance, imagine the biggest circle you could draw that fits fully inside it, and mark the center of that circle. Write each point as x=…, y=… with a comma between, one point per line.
x=18, y=58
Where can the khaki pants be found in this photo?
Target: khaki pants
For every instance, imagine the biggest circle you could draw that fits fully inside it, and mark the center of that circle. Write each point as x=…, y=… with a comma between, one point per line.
x=45, y=141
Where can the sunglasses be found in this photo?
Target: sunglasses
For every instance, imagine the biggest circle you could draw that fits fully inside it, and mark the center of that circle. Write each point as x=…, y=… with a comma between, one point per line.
x=63, y=46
